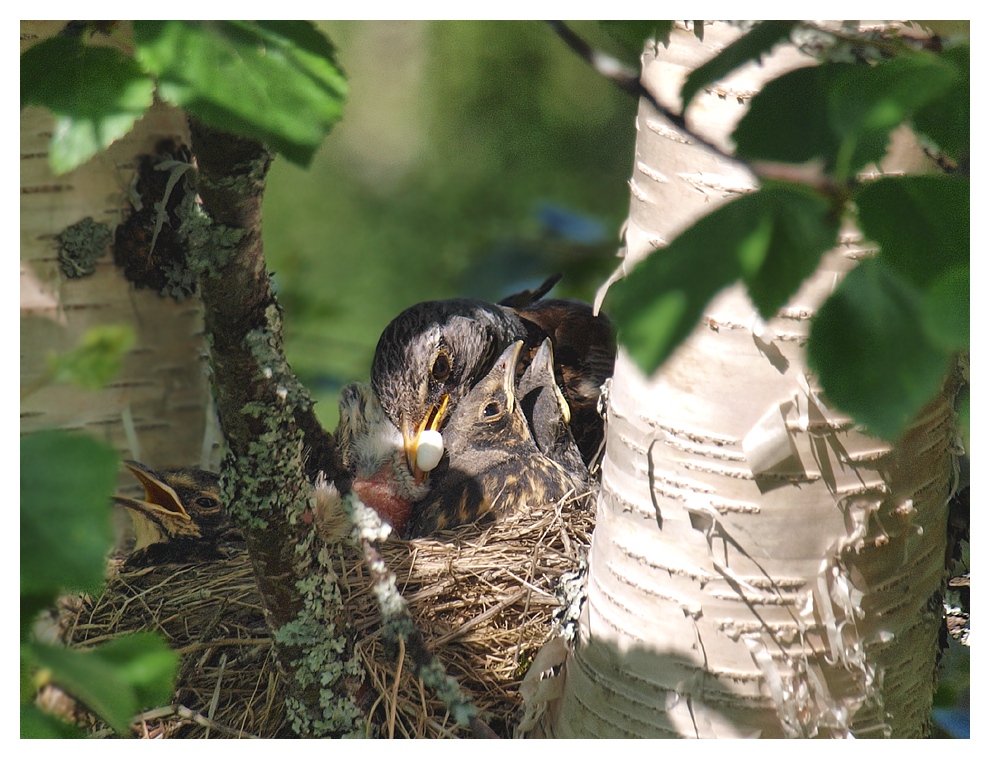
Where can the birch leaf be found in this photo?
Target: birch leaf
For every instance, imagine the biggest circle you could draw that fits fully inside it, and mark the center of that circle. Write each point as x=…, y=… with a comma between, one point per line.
x=945, y=120
x=274, y=81
x=95, y=93
x=772, y=239
x=115, y=680
x=921, y=223
x=66, y=485
x=870, y=349
x=838, y=112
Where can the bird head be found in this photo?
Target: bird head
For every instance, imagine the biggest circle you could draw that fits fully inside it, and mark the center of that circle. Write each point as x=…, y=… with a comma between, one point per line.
x=372, y=450
x=429, y=357
x=489, y=419
x=539, y=379
x=181, y=507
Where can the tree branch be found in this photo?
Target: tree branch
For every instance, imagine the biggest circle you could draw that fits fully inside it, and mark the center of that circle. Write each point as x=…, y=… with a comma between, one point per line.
x=627, y=80
x=268, y=422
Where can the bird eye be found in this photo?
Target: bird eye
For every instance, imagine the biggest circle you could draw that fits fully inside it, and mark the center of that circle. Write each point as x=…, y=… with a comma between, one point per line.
x=441, y=367
x=207, y=503
x=493, y=408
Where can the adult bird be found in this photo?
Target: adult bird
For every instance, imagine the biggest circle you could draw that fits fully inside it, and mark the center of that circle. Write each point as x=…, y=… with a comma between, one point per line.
x=180, y=519
x=492, y=464
x=431, y=355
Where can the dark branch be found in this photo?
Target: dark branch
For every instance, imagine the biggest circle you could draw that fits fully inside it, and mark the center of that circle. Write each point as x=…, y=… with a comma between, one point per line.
x=628, y=81
x=268, y=422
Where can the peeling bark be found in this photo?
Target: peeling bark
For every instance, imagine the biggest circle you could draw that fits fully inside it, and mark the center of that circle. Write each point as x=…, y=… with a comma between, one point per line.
x=759, y=567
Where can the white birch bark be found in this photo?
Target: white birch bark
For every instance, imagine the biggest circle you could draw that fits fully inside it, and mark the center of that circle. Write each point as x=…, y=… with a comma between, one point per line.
x=159, y=408
x=759, y=567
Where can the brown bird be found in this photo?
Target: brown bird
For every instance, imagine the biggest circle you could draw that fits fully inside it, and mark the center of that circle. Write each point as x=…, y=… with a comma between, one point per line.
x=492, y=464
x=433, y=353
x=548, y=413
x=180, y=519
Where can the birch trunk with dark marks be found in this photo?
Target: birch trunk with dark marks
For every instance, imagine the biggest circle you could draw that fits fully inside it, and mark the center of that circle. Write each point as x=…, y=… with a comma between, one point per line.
x=759, y=566
x=158, y=408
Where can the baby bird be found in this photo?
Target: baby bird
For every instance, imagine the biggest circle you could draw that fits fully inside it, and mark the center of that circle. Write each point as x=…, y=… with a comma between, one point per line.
x=373, y=454
x=492, y=464
x=180, y=519
x=432, y=354
x=548, y=413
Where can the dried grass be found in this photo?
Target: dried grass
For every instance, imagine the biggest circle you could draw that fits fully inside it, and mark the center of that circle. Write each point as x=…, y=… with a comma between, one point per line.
x=482, y=596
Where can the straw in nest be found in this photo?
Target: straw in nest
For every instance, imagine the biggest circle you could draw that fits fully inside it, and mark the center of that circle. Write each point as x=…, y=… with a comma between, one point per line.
x=483, y=598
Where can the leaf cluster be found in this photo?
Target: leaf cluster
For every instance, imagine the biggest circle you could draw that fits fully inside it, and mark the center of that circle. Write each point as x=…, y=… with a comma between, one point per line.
x=66, y=483
x=273, y=81
x=882, y=342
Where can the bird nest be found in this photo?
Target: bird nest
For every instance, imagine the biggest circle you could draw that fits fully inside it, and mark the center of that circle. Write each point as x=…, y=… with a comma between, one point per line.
x=483, y=598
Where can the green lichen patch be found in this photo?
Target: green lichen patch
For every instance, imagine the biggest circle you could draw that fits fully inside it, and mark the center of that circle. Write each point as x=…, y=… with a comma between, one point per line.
x=80, y=245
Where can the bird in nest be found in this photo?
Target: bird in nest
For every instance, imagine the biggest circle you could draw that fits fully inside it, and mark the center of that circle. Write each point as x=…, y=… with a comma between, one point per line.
x=548, y=412
x=180, y=519
x=494, y=456
x=493, y=465
x=431, y=355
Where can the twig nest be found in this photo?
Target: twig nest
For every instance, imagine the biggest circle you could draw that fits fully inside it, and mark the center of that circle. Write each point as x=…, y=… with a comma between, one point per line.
x=430, y=450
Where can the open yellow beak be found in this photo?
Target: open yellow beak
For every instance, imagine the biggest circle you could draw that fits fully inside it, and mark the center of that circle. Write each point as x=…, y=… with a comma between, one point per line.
x=158, y=496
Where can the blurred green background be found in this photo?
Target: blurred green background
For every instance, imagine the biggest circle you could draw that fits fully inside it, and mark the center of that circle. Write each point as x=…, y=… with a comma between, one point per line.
x=474, y=158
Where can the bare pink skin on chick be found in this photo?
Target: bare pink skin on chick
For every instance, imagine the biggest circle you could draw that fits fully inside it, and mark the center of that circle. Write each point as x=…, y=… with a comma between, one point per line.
x=379, y=493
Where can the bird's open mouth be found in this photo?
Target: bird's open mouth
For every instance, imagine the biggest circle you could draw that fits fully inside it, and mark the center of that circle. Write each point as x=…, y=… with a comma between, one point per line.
x=157, y=495
x=432, y=421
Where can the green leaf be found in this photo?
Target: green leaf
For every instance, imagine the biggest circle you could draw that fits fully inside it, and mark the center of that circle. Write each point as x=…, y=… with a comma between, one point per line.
x=801, y=227
x=66, y=485
x=272, y=81
x=116, y=680
x=37, y=724
x=761, y=39
x=772, y=239
x=96, y=94
x=788, y=120
x=867, y=102
x=945, y=120
x=839, y=113
x=632, y=35
x=97, y=359
x=945, y=309
x=870, y=349
x=85, y=676
x=146, y=664
x=921, y=223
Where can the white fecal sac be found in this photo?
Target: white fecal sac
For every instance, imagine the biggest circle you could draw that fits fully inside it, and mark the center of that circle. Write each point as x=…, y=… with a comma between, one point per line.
x=430, y=450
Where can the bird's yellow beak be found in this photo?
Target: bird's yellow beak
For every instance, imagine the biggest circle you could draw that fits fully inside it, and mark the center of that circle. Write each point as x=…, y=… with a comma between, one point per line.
x=410, y=436
x=158, y=496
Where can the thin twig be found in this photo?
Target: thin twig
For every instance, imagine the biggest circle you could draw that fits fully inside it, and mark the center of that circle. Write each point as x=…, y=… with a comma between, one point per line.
x=185, y=712
x=216, y=692
x=474, y=622
x=628, y=81
x=200, y=645
x=395, y=688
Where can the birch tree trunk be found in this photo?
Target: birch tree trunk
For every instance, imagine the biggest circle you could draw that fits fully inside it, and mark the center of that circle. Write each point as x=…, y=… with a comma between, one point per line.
x=159, y=408
x=759, y=567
